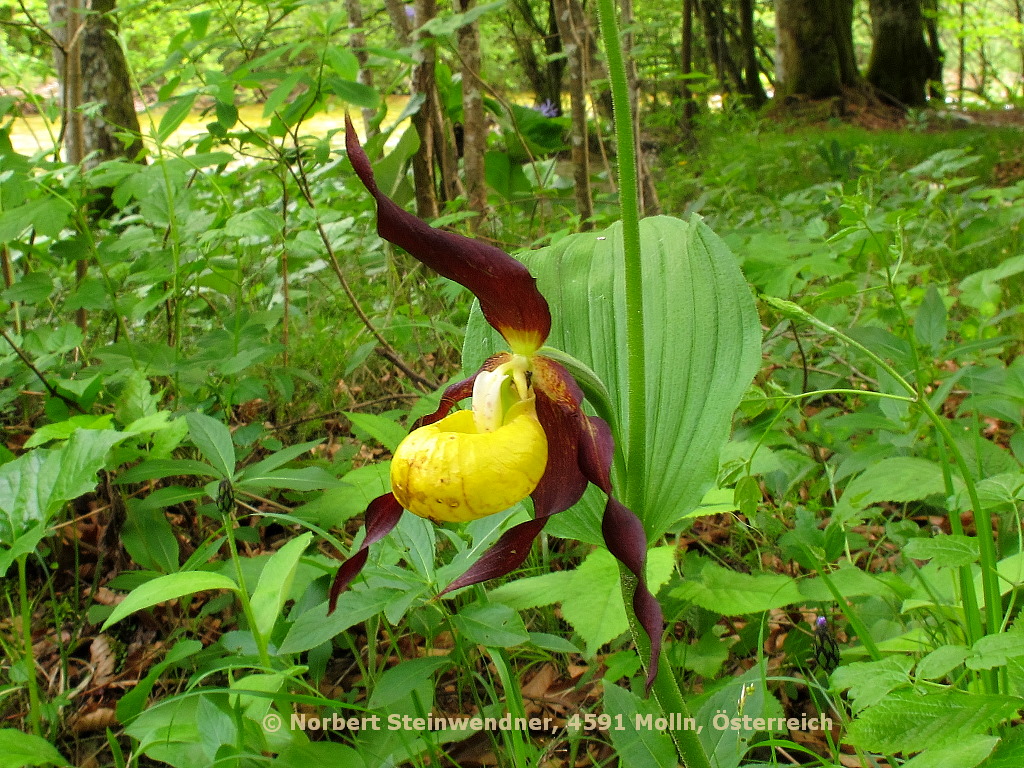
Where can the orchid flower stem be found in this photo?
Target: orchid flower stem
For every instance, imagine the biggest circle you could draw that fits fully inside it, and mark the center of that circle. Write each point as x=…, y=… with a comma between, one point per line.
x=243, y=593
x=666, y=688
x=636, y=460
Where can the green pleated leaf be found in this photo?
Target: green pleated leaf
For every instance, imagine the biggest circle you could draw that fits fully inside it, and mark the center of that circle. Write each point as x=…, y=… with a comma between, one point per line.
x=703, y=342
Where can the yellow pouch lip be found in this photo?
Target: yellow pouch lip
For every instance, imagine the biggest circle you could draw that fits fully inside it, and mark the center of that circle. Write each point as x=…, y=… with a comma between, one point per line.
x=449, y=471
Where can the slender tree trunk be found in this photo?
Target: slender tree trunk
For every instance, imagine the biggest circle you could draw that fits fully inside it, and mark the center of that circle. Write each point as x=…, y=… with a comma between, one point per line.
x=901, y=62
x=686, y=68
x=358, y=45
x=423, y=86
x=936, y=88
x=961, y=47
x=649, y=203
x=572, y=43
x=1018, y=11
x=712, y=17
x=474, y=136
x=751, y=70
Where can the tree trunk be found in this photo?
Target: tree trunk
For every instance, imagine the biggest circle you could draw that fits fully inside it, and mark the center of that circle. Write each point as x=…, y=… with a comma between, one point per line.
x=712, y=16
x=524, y=30
x=423, y=85
x=92, y=68
x=815, y=48
x=752, y=87
x=358, y=45
x=936, y=87
x=474, y=136
x=686, y=68
x=901, y=62
x=568, y=30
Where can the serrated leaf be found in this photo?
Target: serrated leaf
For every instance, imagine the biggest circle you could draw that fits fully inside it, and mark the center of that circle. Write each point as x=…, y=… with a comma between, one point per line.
x=385, y=431
x=901, y=478
x=994, y=650
x=169, y=587
x=850, y=580
x=871, y=681
x=948, y=550
x=701, y=320
x=908, y=722
x=731, y=593
x=533, y=591
x=930, y=321
x=965, y=753
x=490, y=624
x=592, y=602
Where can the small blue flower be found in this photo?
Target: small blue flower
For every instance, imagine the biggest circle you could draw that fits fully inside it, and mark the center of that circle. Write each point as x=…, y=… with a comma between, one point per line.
x=547, y=108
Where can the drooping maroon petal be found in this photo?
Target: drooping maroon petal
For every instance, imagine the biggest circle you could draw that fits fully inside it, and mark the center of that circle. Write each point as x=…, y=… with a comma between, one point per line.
x=381, y=517
x=505, y=555
x=459, y=391
x=625, y=538
x=507, y=291
x=558, y=410
x=623, y=532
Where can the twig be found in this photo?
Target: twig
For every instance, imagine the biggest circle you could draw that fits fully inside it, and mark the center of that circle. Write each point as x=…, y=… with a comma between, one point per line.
x=31, y=366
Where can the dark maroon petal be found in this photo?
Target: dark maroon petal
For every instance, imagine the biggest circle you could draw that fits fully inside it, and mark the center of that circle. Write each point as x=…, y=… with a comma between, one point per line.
x=381, y=517
x=623, y=532
x=507, y=291
x=624, y=535
x=504, y=556
x=558, y=410
x=459, y=391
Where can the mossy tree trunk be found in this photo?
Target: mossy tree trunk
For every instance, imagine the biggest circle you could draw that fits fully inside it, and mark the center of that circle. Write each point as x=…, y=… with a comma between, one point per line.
x=901, y=62
x=815, y=48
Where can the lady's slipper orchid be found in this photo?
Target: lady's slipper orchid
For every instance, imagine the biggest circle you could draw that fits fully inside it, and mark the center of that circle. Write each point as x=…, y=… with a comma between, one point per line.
x=527, y=434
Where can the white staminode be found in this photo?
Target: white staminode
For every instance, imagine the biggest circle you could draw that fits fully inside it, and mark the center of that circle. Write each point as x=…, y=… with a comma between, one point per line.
x=488, y=410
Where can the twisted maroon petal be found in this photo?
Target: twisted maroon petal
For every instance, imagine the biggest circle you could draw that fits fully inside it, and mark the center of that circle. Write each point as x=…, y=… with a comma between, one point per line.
x=507, y=291
x=504, y=556
x=381, y=517
x=623, y=532
x=459, y=391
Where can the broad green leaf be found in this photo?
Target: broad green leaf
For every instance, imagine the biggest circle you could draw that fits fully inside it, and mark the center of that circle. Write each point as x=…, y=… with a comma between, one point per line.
x=703, y=341
x=1010, y=751
x=213, y=439
x=949, y=550
x=148, y=537
x=385, y=431
x=395, y=684
x=314, y=626
x=965, y=753
x=278, y=458
x=908, y=722
x=930, y=321
x=941, y=662
x=850, y=580
x=731, y=593
x=281, y=92
x=160, y=468
x=168, y=587
x=901, y=478
x=353, y=92
x=533, y=591
x=275, y=583
x=871, y=681
x=994, y=650
x=490, y=624
x=175, y=116
x=291, y=478
x=592, y=602
x=36, y=485
x=62, y=430
x=19, y=749
x=643, y=747
x=303, y=755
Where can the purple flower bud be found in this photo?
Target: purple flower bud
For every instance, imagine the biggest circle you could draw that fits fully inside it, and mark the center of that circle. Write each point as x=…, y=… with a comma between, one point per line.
x=547, y=108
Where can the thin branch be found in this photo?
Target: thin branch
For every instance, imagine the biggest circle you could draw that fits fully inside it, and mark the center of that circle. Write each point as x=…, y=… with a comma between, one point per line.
x=39, y=374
